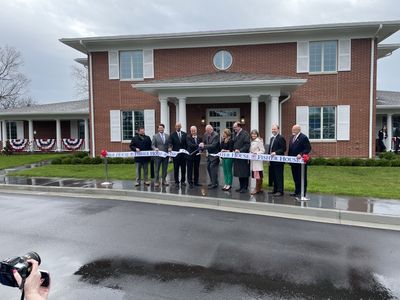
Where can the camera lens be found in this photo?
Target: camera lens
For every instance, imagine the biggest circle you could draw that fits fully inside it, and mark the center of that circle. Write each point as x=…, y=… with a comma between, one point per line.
x=33, y=255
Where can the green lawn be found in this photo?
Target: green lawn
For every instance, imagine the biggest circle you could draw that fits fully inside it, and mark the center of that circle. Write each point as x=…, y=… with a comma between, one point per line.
x=8, y=161
x=379, y=182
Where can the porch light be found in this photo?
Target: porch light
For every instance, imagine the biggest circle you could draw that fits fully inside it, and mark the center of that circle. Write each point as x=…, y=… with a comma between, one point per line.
x=203, y=120
x=242, y=120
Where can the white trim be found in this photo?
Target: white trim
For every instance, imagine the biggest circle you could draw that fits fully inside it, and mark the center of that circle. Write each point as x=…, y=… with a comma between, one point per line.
x=91, y=101
x=343, y=123
x=302, y=118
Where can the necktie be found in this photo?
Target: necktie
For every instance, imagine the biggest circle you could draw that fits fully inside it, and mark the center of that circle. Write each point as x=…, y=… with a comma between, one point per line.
x=195, y=140
x=179, y=135
x=163, y=137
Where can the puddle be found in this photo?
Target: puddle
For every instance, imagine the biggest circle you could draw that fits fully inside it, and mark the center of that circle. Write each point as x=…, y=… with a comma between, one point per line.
x=359, y=284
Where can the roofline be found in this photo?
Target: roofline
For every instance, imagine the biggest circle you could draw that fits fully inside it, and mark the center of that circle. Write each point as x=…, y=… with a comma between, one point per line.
x=80, y=43
x=386, y=106
x=41, y=113
x=220, y=84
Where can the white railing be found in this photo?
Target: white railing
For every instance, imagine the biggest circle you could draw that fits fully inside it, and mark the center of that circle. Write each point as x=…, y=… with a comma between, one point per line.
x=46, y=145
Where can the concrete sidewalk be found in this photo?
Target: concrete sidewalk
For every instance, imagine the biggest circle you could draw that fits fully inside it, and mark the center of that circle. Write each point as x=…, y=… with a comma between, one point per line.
x=369, y=212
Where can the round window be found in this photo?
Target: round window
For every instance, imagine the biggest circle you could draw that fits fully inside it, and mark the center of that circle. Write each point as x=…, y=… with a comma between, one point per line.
x=222, y=60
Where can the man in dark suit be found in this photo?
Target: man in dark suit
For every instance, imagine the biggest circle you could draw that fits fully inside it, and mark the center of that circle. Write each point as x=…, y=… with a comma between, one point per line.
x=193, y=160
x=177, y=141
x=212, y=145
x=277, y=146
x=141, y=142
x=241, y=167
x=298, y=145
x=160, y=142
x=397, y=141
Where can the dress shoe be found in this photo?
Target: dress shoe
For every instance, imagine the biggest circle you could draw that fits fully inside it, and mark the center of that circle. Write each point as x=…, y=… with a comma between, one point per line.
x=137, y=183
x=243, y=191
x=294, y=195
x=156, y=184
x=165, y=183
x=238, y=190
x=191, y=185
x=147, y=183
x=197, y=184
x=228, y=188
x=183, y=183
x=277, y=194
x=271, y=193
x=210, y=184
x=214, y=186
x=177, y=185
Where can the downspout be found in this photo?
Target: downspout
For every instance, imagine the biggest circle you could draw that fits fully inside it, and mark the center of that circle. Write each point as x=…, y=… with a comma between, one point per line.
x=371, y=91
x=90, y=100
x=280, y=111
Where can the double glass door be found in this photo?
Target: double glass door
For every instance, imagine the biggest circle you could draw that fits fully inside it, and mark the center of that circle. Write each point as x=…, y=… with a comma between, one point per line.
x=221, y=118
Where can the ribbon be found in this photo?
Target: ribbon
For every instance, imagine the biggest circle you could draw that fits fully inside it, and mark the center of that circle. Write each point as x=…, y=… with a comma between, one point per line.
x=147, y=153
x=260, y=157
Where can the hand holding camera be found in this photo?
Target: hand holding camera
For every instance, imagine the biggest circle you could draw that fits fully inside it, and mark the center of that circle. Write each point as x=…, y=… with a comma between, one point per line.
x=23, y=272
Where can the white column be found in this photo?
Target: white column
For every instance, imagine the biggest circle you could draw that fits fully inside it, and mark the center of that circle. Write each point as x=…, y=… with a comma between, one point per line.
x=275, y=110
x=58, y=134
x=168, y=124
x=389, y=127
x=182, y=112
x=176, y=111
x=254, y=116
x=4, y=130
x=268, y=123
x=30, y=123
x=86, y=137
x=164, y=115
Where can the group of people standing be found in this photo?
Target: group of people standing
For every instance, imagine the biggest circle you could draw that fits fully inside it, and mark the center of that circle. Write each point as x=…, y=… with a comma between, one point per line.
x=382, y=136
x=238, y=141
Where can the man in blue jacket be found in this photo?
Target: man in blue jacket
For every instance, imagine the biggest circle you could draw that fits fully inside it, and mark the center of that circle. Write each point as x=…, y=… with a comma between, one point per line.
x=141, y=142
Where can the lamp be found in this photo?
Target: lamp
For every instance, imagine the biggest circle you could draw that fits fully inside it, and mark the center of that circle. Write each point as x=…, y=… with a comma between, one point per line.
x=242, y=120
x=203, y=120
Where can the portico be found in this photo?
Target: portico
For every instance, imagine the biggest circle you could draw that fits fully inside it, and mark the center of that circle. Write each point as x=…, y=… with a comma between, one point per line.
x=210, y=96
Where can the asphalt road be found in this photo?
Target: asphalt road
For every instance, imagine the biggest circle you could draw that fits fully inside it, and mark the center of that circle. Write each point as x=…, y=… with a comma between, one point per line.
x=102, y=249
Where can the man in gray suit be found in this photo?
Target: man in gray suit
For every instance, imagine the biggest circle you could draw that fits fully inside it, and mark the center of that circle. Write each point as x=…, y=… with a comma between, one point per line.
x=241, y=167
x=160, y=143
x=212, y=145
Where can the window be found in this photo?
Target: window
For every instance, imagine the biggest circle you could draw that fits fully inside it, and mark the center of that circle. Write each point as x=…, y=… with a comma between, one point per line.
x=11, y=130
x=322, y=123
x=81, y=129
x=323, y=56
x=131, y=122
x=131, y=64
x=222, y=60
x=396, y=123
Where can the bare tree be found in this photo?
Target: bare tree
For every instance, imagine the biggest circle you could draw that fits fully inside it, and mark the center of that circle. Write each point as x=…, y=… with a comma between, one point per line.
x=80, y=76
x=13, y=84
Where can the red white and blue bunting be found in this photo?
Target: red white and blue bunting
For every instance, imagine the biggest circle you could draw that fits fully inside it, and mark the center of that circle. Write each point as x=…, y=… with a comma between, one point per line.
x=72, y=144
x=18, y=144
x=45, y=144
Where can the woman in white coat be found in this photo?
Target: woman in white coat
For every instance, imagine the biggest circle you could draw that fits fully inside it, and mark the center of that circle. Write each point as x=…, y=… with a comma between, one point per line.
x=257, y=166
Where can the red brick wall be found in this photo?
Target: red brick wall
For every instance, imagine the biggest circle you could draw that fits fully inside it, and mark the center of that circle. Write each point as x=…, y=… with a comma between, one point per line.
x=47, y=129
x=278, y=59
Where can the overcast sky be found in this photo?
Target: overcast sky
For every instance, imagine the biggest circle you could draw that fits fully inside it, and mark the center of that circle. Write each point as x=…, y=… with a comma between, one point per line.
x=34, y=27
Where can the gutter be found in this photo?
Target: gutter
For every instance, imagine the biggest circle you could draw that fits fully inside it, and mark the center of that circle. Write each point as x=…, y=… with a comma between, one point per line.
x=371, y=92
x=280, y=111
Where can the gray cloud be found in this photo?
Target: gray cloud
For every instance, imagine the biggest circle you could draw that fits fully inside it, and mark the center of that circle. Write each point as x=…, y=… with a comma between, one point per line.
x=34, y=27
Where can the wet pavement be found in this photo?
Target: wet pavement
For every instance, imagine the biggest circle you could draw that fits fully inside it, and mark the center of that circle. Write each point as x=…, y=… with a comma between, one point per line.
x=106, y=249
x=357, y=204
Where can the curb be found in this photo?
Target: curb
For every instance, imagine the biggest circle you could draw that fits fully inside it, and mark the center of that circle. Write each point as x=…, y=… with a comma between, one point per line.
x=322, y=215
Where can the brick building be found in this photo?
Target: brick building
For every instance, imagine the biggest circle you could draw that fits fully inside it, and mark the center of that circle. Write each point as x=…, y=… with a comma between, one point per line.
x=322, y=77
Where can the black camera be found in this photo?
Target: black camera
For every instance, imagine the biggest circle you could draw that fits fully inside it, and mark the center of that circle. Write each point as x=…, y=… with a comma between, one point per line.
x=23, y=267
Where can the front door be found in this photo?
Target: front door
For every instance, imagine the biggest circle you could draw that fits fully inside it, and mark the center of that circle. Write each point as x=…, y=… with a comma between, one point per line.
x=221, y=118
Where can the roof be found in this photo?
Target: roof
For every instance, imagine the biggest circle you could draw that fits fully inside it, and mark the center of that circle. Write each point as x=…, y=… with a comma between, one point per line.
x=385, y=50
x=60, y=108
x=380, y=29
x=221, y=80
x=387, y=98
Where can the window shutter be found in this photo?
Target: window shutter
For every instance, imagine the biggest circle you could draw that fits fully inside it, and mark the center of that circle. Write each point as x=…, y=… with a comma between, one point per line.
x=302, y=118
x=113, y=65
x=148, y=63
x=344, y=55
x=115, y=125
x=149, y=122
x=343, y=123
x=20, y=130
x=302, y=57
